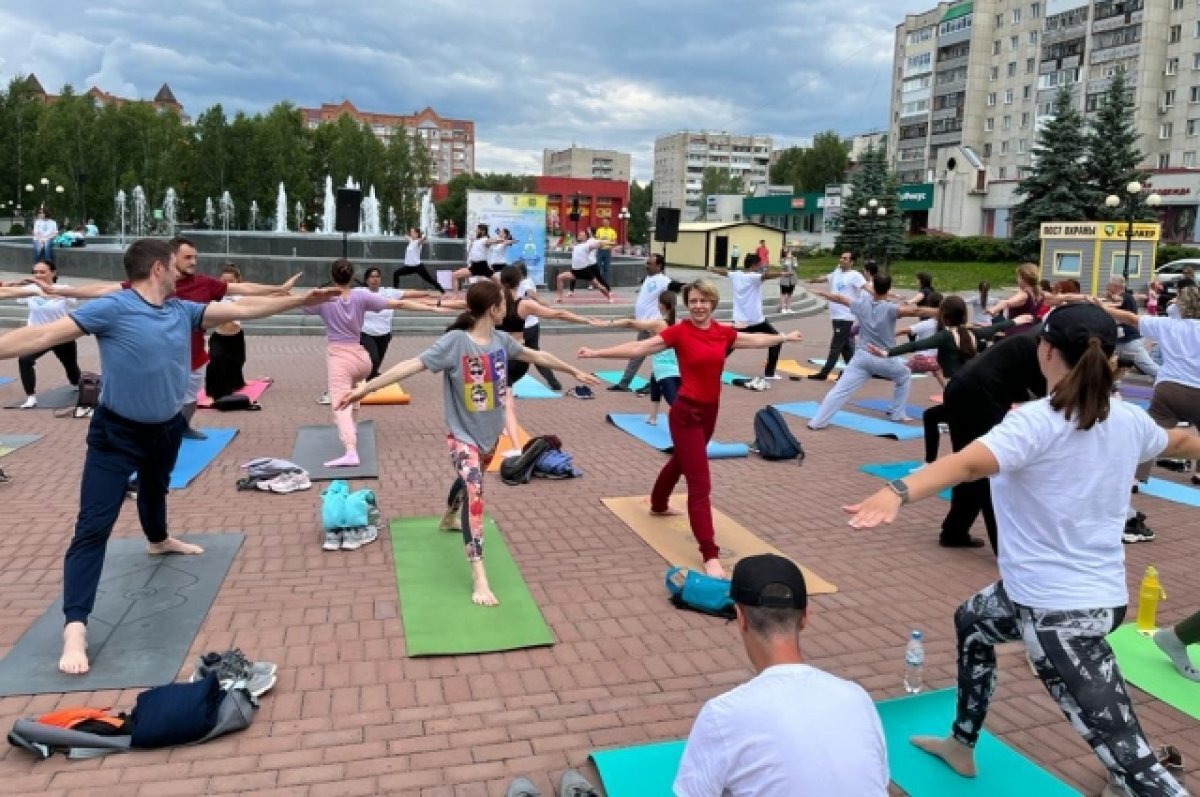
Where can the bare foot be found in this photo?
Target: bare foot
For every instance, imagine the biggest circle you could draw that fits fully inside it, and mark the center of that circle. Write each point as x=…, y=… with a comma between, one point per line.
x=957, y=755
x=172, y=546
x=74, y=659
x=481, y=594
x=713, y=568
x=652, y=420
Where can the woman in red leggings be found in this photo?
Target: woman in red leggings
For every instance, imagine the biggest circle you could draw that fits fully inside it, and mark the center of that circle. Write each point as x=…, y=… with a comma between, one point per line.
x=701, y=346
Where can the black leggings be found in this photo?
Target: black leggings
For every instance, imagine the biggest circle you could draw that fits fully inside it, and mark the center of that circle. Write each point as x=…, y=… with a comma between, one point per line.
x=376, y=346
x=227, y=357
x=532, y=340
x=970, y=416
x=67, y=354
x=773, y=352
x=665, y=389
x=933, y=436
x=420, y=270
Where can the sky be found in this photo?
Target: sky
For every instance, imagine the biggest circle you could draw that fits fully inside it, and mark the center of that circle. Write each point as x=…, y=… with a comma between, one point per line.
x=531, y=74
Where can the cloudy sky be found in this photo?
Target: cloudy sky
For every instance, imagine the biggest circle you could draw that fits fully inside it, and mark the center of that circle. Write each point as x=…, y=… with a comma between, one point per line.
x=530, y=73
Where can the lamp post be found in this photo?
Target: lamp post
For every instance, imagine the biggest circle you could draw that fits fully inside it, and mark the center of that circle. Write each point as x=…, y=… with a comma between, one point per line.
x=624, y=217
x=1133, y=192
x=871, y=215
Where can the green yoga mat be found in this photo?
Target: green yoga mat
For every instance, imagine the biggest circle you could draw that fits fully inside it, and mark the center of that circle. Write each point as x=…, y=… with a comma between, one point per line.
x=434, y=581
x=647, y=770
x=1002, y=770
x=1148, y=668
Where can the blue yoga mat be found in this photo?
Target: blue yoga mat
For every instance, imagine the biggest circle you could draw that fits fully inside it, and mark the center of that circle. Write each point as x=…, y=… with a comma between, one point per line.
x=850, y=420
x=882, y=405
x=659, y=435
x=196, y=455
x=890, y=471
x=4, y=380
x=1003, y=772
x=529, y=388
x=1171, y=491
x=1137, y=391
x=646, y=770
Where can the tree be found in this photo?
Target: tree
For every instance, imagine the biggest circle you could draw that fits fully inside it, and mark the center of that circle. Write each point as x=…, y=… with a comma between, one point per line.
x=1054, y=189
x=872, y=235
x=786, y=169
x=20, y=116
x=1112, y=151
x=641, y=201
x=824, y=163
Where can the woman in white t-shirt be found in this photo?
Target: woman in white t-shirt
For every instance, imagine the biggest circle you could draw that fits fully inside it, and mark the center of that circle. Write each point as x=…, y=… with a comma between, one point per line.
x=377, y=324
x=44, y=309
x=1062, y=567
x=45, y=230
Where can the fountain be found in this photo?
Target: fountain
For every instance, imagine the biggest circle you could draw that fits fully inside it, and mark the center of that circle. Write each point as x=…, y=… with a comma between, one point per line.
x=370, y=214
x=139, y=211
x=170, y=211
x=391, y=217
x=210, y=215
x=428, y=214
x=327, y=214
x=299, y=211
x=253, y=214
x=226, y=215
x=281, y=210
x=122, y=211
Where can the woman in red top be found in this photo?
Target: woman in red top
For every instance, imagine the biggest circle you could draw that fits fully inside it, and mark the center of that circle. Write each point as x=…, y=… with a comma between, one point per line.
x=701, y=346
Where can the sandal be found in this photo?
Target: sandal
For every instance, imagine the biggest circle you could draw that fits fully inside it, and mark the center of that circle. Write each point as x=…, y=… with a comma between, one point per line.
x=1171, y=759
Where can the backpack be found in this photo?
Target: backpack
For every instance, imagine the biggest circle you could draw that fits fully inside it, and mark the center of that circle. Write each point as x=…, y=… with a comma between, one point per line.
x=519, y=469
x=699, y=592
x=772, y=437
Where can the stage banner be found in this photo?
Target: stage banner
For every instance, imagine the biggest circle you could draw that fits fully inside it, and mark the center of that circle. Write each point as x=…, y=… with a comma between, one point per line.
x=523, y=215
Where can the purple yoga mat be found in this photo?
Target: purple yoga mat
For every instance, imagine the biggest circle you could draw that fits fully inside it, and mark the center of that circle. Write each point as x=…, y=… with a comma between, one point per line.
x=1137, y=391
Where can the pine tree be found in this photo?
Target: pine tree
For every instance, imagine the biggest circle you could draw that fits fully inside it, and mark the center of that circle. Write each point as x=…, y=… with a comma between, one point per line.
x=1055, y=190
x=1113, y=154
x=872, y=236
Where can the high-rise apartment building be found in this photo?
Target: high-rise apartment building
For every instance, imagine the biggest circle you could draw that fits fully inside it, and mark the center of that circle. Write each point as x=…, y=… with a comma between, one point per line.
x=588, y=164
x=975, y=81
x=681, y=158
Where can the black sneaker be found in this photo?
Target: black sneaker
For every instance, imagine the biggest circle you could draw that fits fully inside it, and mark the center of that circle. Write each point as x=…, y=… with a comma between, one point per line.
x=818, y=377
x=643, y=391
x=618, y=388
x=1136, y=532
x=194, y=434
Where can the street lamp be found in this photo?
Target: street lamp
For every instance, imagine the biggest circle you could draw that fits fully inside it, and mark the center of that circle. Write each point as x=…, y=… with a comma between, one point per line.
x=624, y=217
x=1133, y=192
x=871, y=215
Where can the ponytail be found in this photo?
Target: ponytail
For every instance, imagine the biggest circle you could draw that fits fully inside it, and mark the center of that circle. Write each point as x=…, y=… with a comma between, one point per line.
x=1085, y=391
x=667, y=301
x=481, y=298
x=464, y=322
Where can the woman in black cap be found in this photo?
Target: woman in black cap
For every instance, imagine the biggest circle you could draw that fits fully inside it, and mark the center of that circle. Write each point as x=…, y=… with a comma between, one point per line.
x=1062, y=587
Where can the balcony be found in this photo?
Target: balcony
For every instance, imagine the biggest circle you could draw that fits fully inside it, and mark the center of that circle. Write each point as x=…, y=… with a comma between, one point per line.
x=952, y=63
x=942, y=139
x=1076, y=31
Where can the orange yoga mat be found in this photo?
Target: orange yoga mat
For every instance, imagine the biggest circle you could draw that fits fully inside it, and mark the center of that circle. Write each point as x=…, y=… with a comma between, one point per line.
x=392, y=394
x=506, y=445
x=796, y=370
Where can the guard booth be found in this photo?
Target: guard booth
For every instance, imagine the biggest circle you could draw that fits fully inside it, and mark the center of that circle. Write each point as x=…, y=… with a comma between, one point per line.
x=1092, y=251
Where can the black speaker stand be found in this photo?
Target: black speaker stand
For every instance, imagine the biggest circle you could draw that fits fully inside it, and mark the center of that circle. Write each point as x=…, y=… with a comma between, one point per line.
x=345, y=246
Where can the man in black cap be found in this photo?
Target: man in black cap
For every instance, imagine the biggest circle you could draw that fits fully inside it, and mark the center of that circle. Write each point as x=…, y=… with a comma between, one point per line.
x=792, y=730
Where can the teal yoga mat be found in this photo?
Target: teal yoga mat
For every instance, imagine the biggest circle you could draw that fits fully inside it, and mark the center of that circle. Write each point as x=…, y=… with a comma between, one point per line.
x=659, y=435
x=1171, y=491
x=883, y=405
x=888, y=471
x=1003, y=772
x=529, y=388
x=858, y=423
x=196, y=455
x=647, y=770
x=613, y=377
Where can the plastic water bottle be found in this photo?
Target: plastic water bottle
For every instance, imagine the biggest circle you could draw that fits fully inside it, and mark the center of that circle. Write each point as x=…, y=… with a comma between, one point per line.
x=914, y=664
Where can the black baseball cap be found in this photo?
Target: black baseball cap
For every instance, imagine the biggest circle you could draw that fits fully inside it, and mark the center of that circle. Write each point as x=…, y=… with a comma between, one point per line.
x=752, y=575
x=1069, y=328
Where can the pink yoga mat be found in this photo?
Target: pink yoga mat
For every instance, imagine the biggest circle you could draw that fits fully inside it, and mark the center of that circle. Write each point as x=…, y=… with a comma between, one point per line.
x=253, y=390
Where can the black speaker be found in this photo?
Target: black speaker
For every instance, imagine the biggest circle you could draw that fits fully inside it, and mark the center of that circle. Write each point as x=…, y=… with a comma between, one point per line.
x=575, y=205
x=666, y=225
x=349, y=201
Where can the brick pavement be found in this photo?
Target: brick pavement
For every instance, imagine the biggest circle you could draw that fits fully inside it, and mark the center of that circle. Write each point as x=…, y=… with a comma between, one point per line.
x=352, y=715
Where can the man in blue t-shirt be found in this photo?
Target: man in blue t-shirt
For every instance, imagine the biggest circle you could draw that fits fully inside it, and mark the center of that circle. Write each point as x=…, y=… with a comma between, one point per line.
x=144, y=338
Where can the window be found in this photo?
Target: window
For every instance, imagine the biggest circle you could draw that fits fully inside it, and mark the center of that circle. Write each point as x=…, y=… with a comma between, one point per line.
x=1174, y=34
x=995, y=74
x=1003, y=172
x=1027, y=92
x=1016, y=16
x=987, y=150
x=1195, y=61
x=1068, y=264
x=1165, y=130
x=1012, y=68
x=1193, y=95
x=1193, y=128
x=989, y=124
x=1164, y=161
x=1008, y=96
x=996, y=44
x=1033, y=37
x=918, y=63
x=999, y=20
x=1135, y=263
x=922, y=35
x=1168, y=97
x=1021, y=145
x=1030, y=65
x=1006, y=124
x=991, y=99
x=1196, y=33
x=1003, y=147
x=1045, y=109
x=1172, y=67
x=1014, y=42
x=1025, y=119
x=1035, y=10
x=916, y=106
x=1189, y=160
x=1176, y=5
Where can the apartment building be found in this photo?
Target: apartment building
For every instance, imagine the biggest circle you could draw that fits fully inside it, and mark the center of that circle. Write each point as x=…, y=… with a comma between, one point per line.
x=586, y=164
x=681, y=158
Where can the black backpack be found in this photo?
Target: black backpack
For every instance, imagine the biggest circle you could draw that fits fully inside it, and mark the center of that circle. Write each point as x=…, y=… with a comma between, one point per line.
x=519, y=469
x=772, y=437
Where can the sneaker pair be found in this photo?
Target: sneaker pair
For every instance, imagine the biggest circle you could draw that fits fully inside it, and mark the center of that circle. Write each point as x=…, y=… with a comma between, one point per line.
x=234, y=670
x=30, y=403
x=757, y=383
x=1137, y=531
x=353, y=539
x=571, y=784
x=333, y=540
x=287, y=482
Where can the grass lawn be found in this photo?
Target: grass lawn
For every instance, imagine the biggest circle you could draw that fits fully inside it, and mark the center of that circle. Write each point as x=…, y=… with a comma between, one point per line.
x=947, y=277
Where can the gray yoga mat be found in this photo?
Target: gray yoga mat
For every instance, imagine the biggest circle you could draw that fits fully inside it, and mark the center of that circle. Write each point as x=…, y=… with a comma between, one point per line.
x=316, y=445
x=56, y=398
x=148, y=612
x=11, y=442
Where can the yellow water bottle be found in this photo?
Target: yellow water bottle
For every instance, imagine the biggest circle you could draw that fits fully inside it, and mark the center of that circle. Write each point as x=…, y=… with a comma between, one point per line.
x=1148, y=597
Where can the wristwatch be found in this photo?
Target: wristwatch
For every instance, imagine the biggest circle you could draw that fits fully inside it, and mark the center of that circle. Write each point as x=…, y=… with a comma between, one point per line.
x=898, y=487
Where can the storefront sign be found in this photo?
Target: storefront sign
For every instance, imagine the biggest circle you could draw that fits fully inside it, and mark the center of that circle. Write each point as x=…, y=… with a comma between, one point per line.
x=1107, y=231
x=916, y=196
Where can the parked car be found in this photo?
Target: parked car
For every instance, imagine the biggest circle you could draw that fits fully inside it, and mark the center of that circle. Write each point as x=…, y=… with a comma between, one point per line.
x=1169, y=276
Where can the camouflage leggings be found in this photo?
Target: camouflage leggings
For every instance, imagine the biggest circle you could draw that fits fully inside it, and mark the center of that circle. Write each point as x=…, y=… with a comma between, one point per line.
x=1073, y=660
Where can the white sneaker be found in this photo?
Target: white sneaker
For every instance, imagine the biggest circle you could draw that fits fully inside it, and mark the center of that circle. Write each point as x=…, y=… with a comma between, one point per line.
x=901, y=418
x=512, y=452
x=774, y=378
x=758, y=383
x=289, y=483
x=352, y=539
x=30, y=403
x=324, y=399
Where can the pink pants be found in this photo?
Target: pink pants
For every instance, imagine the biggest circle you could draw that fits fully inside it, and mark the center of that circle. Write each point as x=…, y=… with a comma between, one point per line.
x=348, y=364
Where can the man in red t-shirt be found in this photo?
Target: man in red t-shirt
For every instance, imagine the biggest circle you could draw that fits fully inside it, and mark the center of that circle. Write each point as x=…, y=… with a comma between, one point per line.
x=764, y=254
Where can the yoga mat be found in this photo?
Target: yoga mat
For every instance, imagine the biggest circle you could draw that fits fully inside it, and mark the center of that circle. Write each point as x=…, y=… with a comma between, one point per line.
x=797, y=371
x=316, y=445
x=671, y=537
x=1171, y=491
x=196, y=455
x=1137, y=391
x=1149, y=669
x=529, y=388
x=11, y=442
x=842, y=365
x=4, y=380
x=504, y=444
x=614, y=377
x=890, y=471
x=56, y=398
x=392, y=394
x=659, y=435
x=882, y=405
x=433, y=578
x=148, y=611
x=253, y=390
x=1003, y=772
x=645, y=770
x=858, y=423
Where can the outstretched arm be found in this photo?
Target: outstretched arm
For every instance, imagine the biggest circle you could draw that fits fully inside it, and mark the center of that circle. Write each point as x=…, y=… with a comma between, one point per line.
x=30, y=340
x=1182, y=444
x=17, y=291
x=916, y=312
x=720, y=272
x=218, y=313
x=82, y=291
x=654, y=325
x=625, y=351
x=836, y=298
x=258, y=289
x=415, y=306
x=530, y=307
x=1121, y=316
x=764, y=340
x=396, y=373
x=547, y=360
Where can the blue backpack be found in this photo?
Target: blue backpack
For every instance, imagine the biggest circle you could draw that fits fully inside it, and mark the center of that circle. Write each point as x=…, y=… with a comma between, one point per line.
x=556, y=464
x=772, y=437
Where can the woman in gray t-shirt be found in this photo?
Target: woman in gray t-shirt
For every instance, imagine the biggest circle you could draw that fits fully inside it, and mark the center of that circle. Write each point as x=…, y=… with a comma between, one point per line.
x=473, y=358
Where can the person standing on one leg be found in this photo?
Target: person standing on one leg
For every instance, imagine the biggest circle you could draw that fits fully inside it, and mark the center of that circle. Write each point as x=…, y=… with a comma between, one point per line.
x=45, y=309
x=645, y=309
x=1062, y=588
x=748, y=309
x=876, y=318
x=701, y=346
x=849, y=284
x=412, y=262
x=144, y=339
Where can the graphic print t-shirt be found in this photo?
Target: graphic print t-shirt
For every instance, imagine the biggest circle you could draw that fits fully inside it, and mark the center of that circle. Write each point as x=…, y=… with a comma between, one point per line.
x=475, y=380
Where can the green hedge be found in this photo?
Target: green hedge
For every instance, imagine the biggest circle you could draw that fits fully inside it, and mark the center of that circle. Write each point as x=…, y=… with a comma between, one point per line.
x=17, y=229
x=1170, y=252
x=961, y=250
